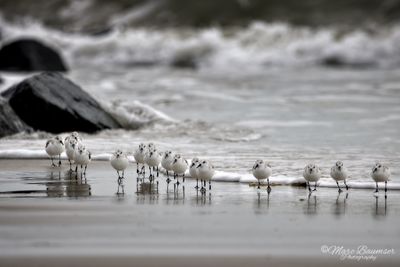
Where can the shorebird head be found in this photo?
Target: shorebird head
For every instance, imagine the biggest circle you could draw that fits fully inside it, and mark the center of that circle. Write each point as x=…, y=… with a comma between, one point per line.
x=202, y=163
x=73, y=143
x=258, y=163
x=142, y=147
x=377, y=167
x=176, y=158
x=311, y=168
x=167, y=154
x=151, y=146
x=81, y=149
x=339, y=165
x=118, y=153
x=194, y=162
x=59, y=139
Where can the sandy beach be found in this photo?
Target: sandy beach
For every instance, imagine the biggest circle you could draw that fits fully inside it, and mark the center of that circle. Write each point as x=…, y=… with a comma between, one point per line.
x=49, y=218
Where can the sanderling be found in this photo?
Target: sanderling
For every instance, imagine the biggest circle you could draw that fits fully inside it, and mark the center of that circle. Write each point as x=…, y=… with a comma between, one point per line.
x=193, y=170
x=179, y=166
x=312, y=174
x=54, y=147
x=139, y=155
x=119, y=161
x=153, y=160
x=205, y=172
x=380, y=173
x=70, y=150
x=339, y=173
x=261, y=171
x=166, y=162
x=82, y=157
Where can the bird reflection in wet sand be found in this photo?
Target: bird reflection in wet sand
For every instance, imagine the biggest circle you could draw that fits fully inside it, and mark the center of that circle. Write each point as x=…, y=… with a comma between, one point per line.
x=262, y=202
x=77, y=188
x=54, y=188
x=176, y=197
x=147, y=188
x=339, y=207
x=67, y=187
x=120, y=182
x=202, y=198
x=311, y=208
x=380, y=209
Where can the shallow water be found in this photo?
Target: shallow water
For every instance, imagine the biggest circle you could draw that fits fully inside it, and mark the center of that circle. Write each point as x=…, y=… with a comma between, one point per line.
x=288, y=116
x=56, y=214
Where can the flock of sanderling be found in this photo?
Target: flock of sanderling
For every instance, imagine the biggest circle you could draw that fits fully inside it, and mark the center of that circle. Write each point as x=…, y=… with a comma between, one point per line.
x=201, y=170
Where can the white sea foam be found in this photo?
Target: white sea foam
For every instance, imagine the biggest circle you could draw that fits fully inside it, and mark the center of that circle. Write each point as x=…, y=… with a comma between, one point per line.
x=255, y=47
x=134, y=114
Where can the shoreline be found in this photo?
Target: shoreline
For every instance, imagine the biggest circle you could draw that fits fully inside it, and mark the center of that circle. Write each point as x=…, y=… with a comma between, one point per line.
x=231, y=225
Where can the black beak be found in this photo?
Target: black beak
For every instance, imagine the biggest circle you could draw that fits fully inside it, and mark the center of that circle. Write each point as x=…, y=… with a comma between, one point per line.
x=340, y=168
x=256, y=166
x=199, y=166
x=375, y=170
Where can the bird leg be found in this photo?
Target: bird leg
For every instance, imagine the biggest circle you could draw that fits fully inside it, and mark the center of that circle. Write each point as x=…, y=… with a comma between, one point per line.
x=209, y=184
x=347, y=187
x=157, y=171
x=197, y=184
x=70, y=165
x=377, y=189
x=309, y=187
x=315, y=187
x=52, y=162
x=385, y=186
x=258, y=187
x=339, y=190
x=269, y=187
x=59, y=160
x=183, y=177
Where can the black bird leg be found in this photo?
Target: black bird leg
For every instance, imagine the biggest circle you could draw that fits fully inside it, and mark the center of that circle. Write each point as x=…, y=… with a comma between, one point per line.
x=309, y=187
x=59, y=160
x=269, y=187
x=339, y=190
x=377, y=189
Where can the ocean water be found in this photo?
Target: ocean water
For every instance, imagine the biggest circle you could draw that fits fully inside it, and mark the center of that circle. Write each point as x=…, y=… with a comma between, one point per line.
x=236, y=95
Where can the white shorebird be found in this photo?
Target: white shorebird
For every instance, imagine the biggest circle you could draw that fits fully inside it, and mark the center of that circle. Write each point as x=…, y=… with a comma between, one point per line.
x=312, y=174
x=261, y=171
x=205, y=172
x=193, y=170
x=153, y=160
x=166, y=162
x=139, y=155
x=54, y=147
x=179, y=166
x=70, y=148
x=119, y=161
x=339, y=173
x=82, y=158
x=380, y=173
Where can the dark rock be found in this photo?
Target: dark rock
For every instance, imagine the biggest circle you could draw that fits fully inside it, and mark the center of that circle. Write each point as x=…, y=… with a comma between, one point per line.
x=52, y=103
x=340, y=62
x=9, y=121
x=30, y=55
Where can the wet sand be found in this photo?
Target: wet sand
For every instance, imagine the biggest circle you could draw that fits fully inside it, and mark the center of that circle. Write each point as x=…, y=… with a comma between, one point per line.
x=49, y=218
